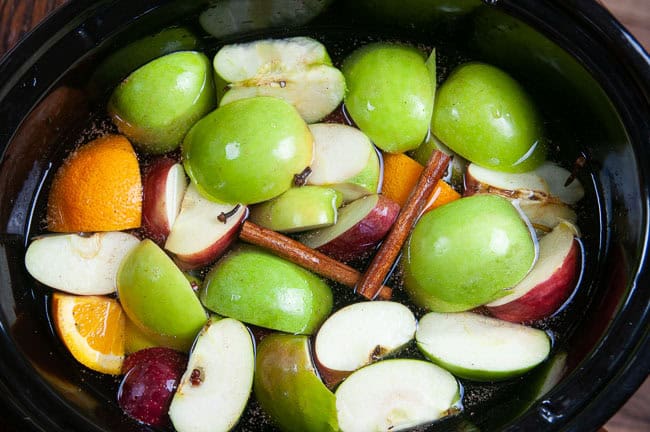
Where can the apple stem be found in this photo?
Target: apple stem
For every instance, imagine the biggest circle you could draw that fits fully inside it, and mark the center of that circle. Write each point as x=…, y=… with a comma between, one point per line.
x=577, y=166
x=223, y=217
x=373, y=278
x=301, y=179
x=304, y=256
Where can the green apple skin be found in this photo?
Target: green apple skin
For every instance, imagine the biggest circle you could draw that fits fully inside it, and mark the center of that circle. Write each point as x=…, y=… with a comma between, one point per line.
x=256, y=287
x=389, y=95
x=288, y=388
x=466, y=253
x=485, y=116
x=127, y=59
x=156, y=295
x=158, y=103
x=299, y=209
x=247, y=151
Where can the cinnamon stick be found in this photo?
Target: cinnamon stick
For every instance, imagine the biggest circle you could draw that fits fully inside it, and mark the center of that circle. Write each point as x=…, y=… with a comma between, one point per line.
x=304, y=256
x=374, y=276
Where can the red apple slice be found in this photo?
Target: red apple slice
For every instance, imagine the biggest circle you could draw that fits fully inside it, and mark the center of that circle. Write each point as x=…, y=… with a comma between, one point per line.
x=527, y=185
x=359, y=334
x=203, y=230
x=163, y=188
x=549, y=283
x=361, y=225
x=396, y=394
x=82, y=265
x=555, y=177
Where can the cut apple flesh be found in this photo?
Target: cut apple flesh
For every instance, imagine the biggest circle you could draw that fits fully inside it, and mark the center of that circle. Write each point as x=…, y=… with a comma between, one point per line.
x=215, y=388
x=546, y=215
x=395, y=394
x=362, y=333
x=360, y=226
x=164, y=186
x=555, y=177
x=297, y=70
x=480, y=348
x=199, y=234
x=76, y=264
x=527, y=185
x=550, y=281
x=345, y=159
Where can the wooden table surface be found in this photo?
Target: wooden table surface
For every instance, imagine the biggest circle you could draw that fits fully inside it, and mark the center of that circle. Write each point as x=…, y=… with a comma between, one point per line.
x=19, y=16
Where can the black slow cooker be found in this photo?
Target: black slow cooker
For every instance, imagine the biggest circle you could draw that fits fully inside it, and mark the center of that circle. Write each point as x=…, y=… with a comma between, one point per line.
x=589, y=77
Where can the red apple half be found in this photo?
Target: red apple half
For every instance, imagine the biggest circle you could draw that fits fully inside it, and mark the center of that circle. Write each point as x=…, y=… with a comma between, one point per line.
x=361, y=225
x=359, y=334
x=163, y=188
x=550, y=281
x=203, y=229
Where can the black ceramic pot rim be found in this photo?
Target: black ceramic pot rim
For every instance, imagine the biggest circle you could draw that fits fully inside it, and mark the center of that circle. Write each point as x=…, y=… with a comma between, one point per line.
x=580, y=402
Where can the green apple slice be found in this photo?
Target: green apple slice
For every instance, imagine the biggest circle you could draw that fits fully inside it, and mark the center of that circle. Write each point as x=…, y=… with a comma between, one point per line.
x=480, y=348
x=214, y=390
x=82, y=265
x=157, y=296
x=345, y=159
x=259, y=288
x=299, y=209
x=288, y=388
x=396, y=394
x=297, y=70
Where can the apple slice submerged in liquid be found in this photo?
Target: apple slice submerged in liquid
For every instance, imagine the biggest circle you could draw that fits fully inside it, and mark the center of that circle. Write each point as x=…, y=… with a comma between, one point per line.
x=361, y=225
x=359, y=334
x=288, y=388
x=480, y=348
x=395, y=395
x=203, y=229
x=76, y=264
x=549, y=283
x=345, y=159
x=163, y=187
x=215, y=388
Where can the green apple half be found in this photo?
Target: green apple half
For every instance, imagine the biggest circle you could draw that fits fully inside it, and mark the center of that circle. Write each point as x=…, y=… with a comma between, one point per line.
x=259, y=288
x=390, y=95
x=481, y=348
x=298, y=70
x=344, y=159
x=247, y=151
x=395, y=394
x=158, y=103
x=466, y=253
x=299, y=209
x=288, y=388
x=485, y=116
x=157, y=296
x=214, y=390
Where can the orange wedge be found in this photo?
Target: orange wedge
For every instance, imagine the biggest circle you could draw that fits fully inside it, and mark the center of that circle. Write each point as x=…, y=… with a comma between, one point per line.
x=92, y=328
x=98, y=188
x=401, y=174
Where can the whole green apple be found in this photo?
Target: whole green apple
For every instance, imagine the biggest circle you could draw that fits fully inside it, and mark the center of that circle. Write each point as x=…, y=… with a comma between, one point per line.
x=467, y=253
x=256, y=287
x=247, y=151
x=157, y=296
x=485, y=116
x=288, y=388
x=158, y=103
x=390, y=95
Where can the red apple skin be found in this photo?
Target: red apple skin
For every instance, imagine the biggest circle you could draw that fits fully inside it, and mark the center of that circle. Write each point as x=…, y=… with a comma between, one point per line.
x=154, y=217
x=365, y=234
x=546, y=297
x=211, y=253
